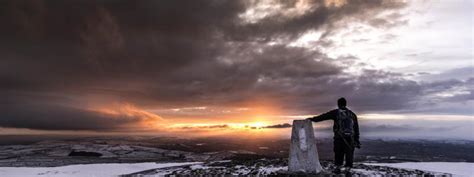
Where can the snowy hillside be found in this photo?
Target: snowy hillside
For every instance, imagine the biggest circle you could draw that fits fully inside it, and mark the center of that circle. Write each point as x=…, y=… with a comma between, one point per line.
x=99, y=170
x=260, y=167
x=455, y=168
x=160, y=156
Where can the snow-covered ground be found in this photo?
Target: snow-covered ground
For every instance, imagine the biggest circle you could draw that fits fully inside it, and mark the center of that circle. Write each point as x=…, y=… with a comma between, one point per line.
x=90, y=170
x=455, y=168
x=115, y=169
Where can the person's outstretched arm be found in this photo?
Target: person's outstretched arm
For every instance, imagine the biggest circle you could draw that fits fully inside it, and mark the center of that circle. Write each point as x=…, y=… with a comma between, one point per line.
x=323, y=117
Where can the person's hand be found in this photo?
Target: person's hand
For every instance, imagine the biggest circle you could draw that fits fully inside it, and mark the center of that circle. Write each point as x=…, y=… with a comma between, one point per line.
x=357, y=145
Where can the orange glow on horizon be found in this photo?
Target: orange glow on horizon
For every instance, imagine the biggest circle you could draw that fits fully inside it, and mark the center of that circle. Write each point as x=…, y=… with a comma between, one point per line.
x=249, y=130
x=145, y=118
x=230, y=126
x=252, y=117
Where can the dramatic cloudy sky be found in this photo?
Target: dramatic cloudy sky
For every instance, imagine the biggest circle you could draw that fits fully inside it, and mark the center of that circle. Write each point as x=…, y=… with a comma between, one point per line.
x=188, y=65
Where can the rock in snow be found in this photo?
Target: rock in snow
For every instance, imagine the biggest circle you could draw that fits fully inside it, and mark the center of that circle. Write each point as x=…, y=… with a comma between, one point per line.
x=303, y=151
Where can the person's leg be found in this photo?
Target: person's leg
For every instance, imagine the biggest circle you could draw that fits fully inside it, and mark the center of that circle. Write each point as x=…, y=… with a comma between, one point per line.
x=349, y=153
x=338, y=152
x=349, y=158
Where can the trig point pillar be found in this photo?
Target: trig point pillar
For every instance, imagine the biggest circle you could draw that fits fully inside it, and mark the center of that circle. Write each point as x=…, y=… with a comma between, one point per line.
x=303, y=151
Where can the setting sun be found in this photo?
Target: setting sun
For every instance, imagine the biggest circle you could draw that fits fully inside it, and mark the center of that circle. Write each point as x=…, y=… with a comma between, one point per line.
x=258, y=125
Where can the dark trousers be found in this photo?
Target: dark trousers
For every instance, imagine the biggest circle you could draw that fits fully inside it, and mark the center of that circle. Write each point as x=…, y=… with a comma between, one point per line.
x=341, y=150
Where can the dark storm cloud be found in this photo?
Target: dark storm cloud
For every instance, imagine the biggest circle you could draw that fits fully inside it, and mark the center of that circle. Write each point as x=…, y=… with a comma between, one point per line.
x=387, y=128
x=177, y=53
x=223, y=126
x=462, y=73
x=461, y=91
x=388, y=21
x=48, y=112
x=317, y=17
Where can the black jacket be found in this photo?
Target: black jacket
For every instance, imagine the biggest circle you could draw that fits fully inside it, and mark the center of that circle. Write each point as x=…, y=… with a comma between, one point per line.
x=332, y=115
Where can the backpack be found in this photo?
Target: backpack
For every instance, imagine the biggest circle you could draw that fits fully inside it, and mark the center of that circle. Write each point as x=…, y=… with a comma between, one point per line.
x=345, y=122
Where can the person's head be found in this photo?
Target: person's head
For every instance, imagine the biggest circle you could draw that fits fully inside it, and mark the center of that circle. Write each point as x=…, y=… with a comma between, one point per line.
x=341, y=102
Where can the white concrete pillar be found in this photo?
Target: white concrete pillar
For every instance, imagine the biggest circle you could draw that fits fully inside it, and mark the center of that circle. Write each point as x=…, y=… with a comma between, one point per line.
x=303, y=151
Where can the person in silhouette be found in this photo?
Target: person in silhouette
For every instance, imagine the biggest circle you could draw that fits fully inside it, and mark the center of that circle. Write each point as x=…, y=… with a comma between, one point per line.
x=346, y=133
